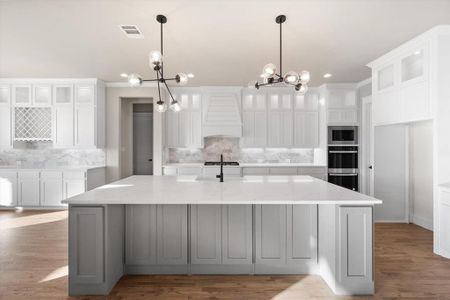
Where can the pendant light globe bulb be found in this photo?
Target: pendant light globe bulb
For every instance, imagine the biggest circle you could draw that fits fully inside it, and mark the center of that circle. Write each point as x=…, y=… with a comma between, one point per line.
x=291, y=77
x=175, y=106
x=134, y=79
x=301, y=89
x=269, y=70
x=304, y=77
x=182, y=78
x=155, y=58
x=161, y=106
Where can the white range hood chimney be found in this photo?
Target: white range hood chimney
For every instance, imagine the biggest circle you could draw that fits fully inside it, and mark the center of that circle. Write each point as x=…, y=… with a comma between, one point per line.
x=221, y=112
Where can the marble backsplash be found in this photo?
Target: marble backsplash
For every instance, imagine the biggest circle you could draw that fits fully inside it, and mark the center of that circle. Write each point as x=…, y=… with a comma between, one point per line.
x=50, y=158
x=229, y=147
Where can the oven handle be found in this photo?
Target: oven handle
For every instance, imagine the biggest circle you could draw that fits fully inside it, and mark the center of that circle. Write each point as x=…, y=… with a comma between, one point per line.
x=343, y=174
x=333, y=151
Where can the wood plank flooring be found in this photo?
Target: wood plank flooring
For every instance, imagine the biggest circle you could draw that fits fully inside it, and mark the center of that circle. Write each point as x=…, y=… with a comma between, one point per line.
x=33, y=265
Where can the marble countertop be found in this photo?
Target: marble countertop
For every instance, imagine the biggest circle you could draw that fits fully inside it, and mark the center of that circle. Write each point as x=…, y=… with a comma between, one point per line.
x=246, y=165
x=56, y=168
x=142, y=189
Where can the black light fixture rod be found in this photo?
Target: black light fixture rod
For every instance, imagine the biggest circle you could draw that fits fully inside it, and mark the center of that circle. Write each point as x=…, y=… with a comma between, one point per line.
x=159, y=88
x=148, y=80
x=281, y=48
x=173, y=99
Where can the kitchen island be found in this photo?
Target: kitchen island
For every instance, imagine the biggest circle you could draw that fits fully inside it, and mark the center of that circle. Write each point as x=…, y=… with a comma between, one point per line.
x=197, y=225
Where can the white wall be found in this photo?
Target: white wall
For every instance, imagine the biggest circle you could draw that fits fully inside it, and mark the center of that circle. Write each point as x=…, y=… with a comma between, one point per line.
x=113, y=127
x=421, y=173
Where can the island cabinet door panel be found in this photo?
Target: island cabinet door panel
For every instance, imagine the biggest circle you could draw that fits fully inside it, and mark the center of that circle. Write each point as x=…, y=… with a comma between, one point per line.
x=270, y=230
x=355, y=247
x=205, y=234
x=86, y=245
x=140, y=235
x=171, y=234
x=301, y=233
x=237, y=234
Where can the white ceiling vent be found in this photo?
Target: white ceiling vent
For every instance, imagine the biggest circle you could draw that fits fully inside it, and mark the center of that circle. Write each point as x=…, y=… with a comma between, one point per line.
x=132, y=31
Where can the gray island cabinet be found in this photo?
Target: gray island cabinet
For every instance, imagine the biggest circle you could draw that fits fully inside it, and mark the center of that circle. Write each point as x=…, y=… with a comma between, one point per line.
x=251, y=225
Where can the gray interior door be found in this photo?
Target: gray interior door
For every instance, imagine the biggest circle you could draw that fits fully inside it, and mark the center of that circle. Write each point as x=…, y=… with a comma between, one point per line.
x=142, y=143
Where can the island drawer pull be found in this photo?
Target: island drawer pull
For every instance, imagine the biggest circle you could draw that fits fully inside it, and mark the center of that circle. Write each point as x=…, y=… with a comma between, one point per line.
x=338, y=174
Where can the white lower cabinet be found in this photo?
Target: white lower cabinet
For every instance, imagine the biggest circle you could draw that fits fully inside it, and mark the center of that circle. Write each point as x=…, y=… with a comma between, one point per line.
x=286, y=238
x=355, y=248
x=46, y=188
x=51, y=188
x=28, y=188
x=221, y=234
x=156, y=235
x=8, y=188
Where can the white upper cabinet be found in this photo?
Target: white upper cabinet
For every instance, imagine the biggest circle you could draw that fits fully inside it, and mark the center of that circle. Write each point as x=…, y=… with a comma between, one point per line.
x=254, y=119
x=184, y=128
x=280, y=120
x=400, y=87
x=84, y=94
x=42, y=95
x=5, y=117
x=342, y=105
x=63, y=94
x=21, y=94
x=5, y=95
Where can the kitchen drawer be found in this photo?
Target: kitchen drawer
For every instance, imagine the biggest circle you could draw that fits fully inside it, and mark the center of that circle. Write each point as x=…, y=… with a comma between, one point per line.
x=189, y=171
x=283, y=171
x=311, y=170
x=255, y=171
x=74, y=175
x=170, y=171
x=227, y=171
x=51, y=175
x=28, y=175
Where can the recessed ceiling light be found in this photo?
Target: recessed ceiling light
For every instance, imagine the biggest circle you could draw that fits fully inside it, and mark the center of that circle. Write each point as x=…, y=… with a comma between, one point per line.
x=327, y=75
x=190, y=75
x=124, y=75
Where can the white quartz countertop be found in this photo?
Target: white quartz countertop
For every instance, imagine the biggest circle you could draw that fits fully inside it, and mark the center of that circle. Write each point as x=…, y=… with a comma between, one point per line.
x=56, y=168
x=144, y=189
x=246, y=165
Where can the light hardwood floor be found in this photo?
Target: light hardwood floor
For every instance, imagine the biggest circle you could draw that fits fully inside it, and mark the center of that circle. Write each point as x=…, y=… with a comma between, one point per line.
x=33, y=265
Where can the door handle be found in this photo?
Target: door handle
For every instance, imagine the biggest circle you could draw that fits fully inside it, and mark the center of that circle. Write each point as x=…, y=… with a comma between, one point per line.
x=370, y=167
x=150, y=159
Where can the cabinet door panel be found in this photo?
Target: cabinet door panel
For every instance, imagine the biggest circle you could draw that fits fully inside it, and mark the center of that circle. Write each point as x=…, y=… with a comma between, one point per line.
x=301, y=233
x=51, y=191
x=73, y=187
x=172, y=234
x=85, y=126
x=355, y=227
x=8, y=189
x=140, y=235
x=85, y=94
x=248, y=128
x=63, y=126
x=5, y=125
x=270, y=233
x=306, y=129
x=172, y=129
x=205, y=234
x=86, y=264
x=197, y=141
x=21, y=95
x=237, y=234
x=29, y=192
x=42, y=95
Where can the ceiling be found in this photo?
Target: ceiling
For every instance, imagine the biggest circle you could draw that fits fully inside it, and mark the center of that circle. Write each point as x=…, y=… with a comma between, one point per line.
x=223, y=42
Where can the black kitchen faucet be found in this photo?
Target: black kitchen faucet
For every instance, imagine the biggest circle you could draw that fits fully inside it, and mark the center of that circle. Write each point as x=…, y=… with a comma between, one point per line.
x=221, y=169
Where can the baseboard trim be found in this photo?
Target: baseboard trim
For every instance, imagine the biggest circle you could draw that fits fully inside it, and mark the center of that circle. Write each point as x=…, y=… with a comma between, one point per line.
x=423, y=222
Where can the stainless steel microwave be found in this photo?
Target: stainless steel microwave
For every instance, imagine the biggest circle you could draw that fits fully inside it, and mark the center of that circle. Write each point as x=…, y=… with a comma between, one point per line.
x=342, y=135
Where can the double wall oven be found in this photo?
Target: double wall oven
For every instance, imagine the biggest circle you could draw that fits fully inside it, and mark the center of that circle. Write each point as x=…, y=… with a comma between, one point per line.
x=343, y=156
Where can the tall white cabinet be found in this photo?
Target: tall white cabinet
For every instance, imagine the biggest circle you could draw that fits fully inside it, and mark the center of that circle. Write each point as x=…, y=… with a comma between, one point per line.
x=184, y=128
x=254, y=119
x=75, y=110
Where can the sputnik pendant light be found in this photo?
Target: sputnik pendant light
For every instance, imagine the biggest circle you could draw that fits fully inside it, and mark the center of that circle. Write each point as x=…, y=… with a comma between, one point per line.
x=156, y=62
x=270, y=75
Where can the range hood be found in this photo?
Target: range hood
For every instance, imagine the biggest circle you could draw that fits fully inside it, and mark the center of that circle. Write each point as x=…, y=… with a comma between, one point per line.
x=221, y=113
